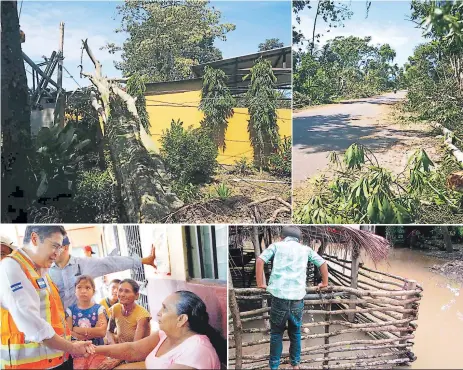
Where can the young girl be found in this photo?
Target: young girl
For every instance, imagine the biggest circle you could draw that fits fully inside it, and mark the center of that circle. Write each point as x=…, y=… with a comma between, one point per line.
x=87, y=320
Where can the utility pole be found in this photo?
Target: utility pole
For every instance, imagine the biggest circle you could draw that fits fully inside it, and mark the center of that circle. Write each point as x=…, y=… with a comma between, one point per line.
x=60, y=75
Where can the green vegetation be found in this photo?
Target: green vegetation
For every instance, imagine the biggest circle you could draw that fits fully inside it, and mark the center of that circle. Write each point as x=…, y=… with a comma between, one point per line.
x=364, y=192
x=270, y=44
x=261, y=101
x=279, y=162
x=189, y=154
x=223, y=191
x=167, y=37
x=345, y=67
x=217, y=104
x=434, y=74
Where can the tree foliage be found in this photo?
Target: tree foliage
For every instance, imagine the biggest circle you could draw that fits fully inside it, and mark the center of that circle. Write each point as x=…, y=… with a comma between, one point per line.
x=136, y=88
x=167, y=37
x=217, y=104
x=189, y=154
x=332, y=12
x=345, y=67
x=364, y=192
x=270, y=44
x=261, y=101
x=434, y=74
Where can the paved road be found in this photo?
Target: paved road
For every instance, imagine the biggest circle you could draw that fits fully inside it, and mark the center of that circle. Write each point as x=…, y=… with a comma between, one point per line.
x=320, y=130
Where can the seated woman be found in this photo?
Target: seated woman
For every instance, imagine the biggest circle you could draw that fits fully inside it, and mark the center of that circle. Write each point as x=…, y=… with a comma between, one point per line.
x=185, y=339
x=127, y=318
x=86, y=319
x=110, y=301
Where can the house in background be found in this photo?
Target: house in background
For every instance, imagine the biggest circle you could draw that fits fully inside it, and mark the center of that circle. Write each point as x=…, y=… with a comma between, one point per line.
x=173, y=100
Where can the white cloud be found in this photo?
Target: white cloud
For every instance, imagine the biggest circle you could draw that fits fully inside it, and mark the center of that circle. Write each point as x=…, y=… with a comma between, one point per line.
x=41, y=27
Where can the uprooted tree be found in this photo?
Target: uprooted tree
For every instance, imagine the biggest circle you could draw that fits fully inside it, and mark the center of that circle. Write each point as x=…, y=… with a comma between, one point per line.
x=144, y=184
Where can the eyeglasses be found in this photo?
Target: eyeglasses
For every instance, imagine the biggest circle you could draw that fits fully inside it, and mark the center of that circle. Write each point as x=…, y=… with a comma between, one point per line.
x=57, y=248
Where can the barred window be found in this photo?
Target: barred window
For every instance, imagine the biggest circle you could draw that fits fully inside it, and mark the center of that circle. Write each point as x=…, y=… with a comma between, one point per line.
x=207, y=248
x=132, y=235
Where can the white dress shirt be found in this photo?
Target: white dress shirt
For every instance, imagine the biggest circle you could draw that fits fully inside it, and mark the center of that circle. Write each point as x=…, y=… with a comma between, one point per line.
x=19, y=297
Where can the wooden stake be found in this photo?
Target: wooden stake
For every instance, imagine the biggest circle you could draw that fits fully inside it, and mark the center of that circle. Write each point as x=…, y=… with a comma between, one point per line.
x=354, y=279
x=59, y=81
x=237, y=327
x=409, y=285
x=327, y=332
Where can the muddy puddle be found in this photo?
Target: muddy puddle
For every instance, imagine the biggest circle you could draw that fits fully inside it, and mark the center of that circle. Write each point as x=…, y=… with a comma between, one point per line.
x=439, y=337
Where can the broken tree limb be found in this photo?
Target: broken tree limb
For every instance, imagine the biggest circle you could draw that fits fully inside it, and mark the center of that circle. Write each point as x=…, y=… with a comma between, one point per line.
x=268, y=199
x=332, y=334
x=448, y=139
x=346, y=290
x=95, y=62
x=276, y=213
x=145, y=190
x=237, y=327
x=248, y=359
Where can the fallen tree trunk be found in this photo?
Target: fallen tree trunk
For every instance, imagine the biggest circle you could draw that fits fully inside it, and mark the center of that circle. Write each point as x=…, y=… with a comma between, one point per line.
x=145, y=190
x=448, y=136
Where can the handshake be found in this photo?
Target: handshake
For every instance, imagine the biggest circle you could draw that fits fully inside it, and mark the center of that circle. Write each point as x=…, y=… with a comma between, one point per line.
x=82, y=349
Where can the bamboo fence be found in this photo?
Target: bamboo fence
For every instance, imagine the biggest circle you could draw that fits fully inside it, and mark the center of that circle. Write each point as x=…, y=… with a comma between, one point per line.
x=380, y=306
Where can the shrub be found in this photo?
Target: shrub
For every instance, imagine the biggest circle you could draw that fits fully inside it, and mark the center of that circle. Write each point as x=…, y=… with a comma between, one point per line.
x=186, y=192
x=95, y=197
x=242, y=166
x=189, y=154
x=279, y=163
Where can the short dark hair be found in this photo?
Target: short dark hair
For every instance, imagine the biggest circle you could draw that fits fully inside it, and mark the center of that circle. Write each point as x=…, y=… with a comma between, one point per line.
x=115, y=281
x=43, y=231
x=292, y=231
x=133, y=283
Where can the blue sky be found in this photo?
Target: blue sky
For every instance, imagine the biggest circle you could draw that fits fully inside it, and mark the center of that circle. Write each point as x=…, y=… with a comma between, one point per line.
x=386, y=23
x=255, y=21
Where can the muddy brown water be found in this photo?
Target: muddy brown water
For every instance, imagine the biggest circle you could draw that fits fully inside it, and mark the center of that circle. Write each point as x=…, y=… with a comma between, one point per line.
x=439, y=336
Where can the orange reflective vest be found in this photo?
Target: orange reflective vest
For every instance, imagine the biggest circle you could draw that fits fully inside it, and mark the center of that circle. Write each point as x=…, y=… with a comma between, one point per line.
x=17, y=352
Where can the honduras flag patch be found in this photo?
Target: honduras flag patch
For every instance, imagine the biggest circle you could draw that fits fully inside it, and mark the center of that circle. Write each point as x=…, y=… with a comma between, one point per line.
x=16, y=287
x=41, y=283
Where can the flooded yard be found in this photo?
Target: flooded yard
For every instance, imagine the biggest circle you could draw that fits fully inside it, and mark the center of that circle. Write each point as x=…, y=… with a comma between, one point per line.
x=439, y=337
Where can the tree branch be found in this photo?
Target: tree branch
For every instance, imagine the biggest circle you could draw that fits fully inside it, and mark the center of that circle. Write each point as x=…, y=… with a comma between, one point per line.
x=92, y=57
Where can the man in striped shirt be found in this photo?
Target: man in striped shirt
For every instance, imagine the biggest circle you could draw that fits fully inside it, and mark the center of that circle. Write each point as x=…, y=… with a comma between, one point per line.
x=287, y=285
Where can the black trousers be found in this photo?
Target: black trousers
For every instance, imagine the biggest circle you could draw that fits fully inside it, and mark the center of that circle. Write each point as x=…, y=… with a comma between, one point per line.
x=68, y=365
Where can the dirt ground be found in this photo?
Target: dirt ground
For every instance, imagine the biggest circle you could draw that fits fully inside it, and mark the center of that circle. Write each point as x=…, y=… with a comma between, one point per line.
x=375, y=122
x=245, y=189
x=452, y=270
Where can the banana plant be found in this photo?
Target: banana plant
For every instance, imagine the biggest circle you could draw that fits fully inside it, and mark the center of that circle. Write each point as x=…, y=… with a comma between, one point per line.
x=59, y=152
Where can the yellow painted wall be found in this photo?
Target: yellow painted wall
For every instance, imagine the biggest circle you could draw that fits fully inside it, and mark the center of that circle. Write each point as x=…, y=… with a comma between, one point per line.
x=163, y=106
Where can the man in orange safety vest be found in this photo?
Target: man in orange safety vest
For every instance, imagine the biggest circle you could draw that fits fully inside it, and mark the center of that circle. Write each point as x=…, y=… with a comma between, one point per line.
x=34, y=333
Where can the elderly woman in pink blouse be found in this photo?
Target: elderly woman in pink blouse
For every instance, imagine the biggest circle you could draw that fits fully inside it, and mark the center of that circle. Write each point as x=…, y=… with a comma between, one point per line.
x=185, y=339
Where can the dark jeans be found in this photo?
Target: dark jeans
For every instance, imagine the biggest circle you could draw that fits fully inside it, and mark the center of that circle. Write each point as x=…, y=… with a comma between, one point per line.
x=285, y=311
x=68, y=365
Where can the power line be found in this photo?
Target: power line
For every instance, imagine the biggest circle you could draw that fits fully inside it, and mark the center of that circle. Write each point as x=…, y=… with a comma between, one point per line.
x=20, y=8
x=72, y=77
